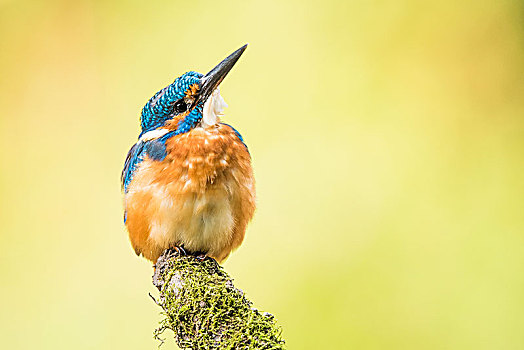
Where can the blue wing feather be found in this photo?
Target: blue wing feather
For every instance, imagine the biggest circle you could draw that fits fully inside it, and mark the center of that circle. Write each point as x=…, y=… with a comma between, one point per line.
x=132, y=159
x=155, y=149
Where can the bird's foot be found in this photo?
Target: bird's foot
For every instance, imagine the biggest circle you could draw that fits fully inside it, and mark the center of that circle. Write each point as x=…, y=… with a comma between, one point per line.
x=179, y=250
x=200, y=256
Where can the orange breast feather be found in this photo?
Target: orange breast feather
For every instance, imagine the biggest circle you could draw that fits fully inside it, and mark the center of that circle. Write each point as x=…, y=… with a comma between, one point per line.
x=201, y=196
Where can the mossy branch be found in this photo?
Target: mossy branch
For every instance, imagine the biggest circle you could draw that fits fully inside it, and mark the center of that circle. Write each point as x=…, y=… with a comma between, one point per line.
x=204, y=309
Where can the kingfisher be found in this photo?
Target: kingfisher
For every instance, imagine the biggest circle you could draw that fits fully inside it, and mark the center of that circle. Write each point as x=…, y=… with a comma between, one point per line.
x=188, y=181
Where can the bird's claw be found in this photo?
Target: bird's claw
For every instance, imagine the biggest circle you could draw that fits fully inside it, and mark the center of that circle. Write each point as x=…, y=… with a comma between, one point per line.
x=179, y=250
x=201, y=257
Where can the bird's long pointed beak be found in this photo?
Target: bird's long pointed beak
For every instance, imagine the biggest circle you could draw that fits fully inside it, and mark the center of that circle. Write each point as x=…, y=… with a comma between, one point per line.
x=215, y=76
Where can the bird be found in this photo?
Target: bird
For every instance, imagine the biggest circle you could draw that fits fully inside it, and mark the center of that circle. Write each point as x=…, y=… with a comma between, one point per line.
x=188, y=181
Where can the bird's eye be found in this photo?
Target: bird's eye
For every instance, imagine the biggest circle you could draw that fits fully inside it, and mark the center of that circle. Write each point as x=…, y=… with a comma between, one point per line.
x=180, y=106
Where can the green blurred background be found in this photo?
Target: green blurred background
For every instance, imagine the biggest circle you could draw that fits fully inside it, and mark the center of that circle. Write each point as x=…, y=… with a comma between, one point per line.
x=388, y=145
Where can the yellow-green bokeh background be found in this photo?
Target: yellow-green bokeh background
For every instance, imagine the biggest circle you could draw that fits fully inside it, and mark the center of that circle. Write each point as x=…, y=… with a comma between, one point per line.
x=388, y=145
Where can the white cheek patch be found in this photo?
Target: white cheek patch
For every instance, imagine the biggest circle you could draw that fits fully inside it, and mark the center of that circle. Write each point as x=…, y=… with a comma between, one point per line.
x=153, y=134
x=213, y=108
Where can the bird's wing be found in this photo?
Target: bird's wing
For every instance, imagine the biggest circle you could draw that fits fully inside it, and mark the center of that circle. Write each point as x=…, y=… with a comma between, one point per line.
x=134, y=157
x=155, y=149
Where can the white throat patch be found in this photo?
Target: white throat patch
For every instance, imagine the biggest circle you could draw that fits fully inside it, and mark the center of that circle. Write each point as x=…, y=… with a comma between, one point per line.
x=213, y=108
x=153, y=134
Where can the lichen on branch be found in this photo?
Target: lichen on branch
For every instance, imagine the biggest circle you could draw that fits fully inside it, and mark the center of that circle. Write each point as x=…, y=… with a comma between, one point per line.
x=204, y=309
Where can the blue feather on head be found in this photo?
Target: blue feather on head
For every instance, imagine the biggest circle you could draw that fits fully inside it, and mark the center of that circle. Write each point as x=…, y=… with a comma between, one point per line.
x=159, y=108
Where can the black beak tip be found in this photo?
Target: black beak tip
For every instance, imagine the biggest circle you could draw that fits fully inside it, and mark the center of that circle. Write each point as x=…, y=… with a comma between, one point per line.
x=215, y=76
x=225, y=66
x=238, y=52
x=236, y=55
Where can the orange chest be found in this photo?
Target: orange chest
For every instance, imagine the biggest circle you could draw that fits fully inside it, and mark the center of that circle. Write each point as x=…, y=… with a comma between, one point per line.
x=197, y=160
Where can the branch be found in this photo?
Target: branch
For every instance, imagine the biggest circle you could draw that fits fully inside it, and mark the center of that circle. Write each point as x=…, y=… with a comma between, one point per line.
x=204, y=309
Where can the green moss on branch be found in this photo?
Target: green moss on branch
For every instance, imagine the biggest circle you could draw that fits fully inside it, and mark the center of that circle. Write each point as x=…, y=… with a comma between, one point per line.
x=204, y=309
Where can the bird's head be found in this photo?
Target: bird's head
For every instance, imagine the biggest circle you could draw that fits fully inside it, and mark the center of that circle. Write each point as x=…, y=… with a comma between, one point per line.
x=191, y=100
